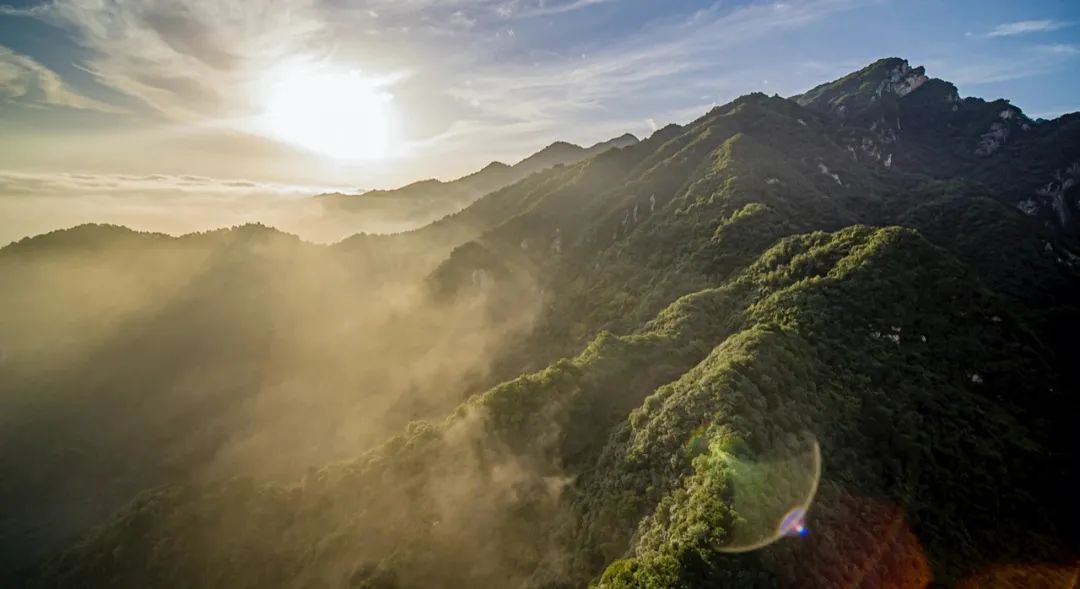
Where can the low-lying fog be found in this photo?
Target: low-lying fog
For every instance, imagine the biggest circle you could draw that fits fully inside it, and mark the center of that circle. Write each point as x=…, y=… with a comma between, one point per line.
x=35, y=203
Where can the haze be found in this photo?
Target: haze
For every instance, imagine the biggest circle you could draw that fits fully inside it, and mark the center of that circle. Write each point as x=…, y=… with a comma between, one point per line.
x=290, y=95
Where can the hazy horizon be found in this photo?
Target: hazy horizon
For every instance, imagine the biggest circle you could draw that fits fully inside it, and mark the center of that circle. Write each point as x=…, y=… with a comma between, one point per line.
x=377, y=95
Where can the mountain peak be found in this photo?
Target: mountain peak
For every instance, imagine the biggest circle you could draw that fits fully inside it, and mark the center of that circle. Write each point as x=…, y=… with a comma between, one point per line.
x=888, y=77
x=556, y=153
x=561, y=145
x=624, y=140
x=625, y=137
x=888, y=63
x=901, y=79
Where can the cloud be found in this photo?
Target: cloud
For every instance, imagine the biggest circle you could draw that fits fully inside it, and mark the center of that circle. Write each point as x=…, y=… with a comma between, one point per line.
x=37, y=202
x=543, y=8
x=1025, y=27
x=465, y=91
x=1059, y=49
x=24, y=80
x=1026, y=62
x=482, y=10
x=34, y=202
x=197, y=62
x=975, y=74
x=521, y=103
x=206, y=61
x=186, y=60
x=120, y=185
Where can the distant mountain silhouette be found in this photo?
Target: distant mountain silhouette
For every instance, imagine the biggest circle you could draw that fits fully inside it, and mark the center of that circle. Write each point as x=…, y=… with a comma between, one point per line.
x=427, y=200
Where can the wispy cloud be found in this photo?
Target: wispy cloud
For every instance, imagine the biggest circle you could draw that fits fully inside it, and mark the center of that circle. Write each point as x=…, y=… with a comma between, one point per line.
x=991, y=72
x=1024, y=62
x=186, y=60
x=205, y=61
x=24, y=80
x=542, y=8
x=483, y=9
x=1059, y=49
x=536, y=98
x=1026, y=27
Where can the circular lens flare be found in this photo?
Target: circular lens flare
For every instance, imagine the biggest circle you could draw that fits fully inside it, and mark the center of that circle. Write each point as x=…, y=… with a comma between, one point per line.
x=771, y=494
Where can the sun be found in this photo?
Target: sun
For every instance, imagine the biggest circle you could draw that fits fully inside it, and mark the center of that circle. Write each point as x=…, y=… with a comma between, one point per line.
x=336, y=112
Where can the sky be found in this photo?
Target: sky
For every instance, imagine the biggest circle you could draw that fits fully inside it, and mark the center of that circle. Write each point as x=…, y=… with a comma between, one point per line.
x=284, y=97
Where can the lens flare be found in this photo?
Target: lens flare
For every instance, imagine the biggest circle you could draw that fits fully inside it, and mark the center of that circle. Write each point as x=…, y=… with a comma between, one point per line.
x=793, y=524
x=771, y=495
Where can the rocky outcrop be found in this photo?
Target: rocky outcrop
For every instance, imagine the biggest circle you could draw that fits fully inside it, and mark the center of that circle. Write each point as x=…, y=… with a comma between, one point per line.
x=990, y=141
x=825, y=170
x=1029, y=207
x=1056, y=190
x=902, y=80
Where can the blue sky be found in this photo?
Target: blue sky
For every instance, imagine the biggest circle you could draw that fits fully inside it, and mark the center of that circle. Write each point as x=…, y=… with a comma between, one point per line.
x=173, y=88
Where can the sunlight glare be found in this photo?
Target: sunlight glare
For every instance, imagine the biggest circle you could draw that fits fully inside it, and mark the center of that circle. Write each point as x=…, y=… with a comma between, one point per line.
x=331, y=111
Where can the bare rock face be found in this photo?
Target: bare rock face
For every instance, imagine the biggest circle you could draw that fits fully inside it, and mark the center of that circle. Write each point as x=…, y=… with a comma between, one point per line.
x=885, y=133
x=903, y=80
x=825, y=170
x=1056, y=189
x=993, y=139
x=1029, y=207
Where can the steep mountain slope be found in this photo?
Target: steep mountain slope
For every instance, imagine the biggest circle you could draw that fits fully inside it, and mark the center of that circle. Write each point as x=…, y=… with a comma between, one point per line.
x=782, y=305
x=891, y=113
x=419, y=203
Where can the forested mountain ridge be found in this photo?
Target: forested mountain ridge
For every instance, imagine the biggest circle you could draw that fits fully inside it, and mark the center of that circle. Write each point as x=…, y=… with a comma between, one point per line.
x=422, y=202
x=702, y=308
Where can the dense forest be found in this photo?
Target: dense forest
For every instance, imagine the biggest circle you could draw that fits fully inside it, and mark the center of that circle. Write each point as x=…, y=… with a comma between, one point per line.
x=856, y=305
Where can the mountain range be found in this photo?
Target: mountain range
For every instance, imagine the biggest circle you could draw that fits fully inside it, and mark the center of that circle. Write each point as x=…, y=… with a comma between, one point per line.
x=420, y=203
x=815, y=341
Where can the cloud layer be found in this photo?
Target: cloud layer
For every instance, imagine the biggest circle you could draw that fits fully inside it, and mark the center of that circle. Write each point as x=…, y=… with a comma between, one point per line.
x=32, y=203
